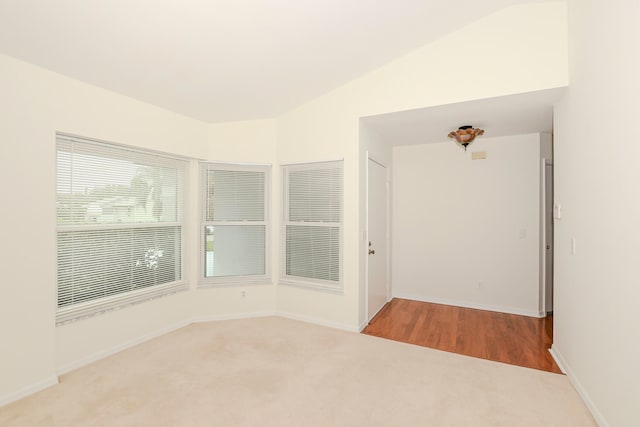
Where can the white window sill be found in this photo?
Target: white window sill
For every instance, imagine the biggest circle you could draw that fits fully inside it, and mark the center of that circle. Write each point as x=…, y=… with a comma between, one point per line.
x=221, y=282
x=333, y=287
x=115, y=302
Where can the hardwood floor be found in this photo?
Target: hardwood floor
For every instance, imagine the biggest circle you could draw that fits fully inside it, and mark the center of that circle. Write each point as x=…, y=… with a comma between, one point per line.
x=508, y=338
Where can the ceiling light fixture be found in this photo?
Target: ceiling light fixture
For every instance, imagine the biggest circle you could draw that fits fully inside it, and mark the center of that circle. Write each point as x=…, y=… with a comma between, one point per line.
x=465, y=135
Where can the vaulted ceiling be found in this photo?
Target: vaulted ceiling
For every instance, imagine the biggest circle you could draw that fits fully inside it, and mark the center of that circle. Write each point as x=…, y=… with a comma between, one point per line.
x=226, y=60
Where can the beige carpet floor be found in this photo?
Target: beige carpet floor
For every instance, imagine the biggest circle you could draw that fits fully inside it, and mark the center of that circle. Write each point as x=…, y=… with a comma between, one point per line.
x=280, y=372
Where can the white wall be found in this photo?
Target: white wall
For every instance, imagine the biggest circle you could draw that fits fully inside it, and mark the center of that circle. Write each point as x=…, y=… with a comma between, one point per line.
x=518, y=49
x=27, y=293
x=597, y=289
x=466, y=232
x=36, y=103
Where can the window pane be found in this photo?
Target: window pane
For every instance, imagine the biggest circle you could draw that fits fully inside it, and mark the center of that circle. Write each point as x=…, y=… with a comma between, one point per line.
x=234, y=250
x=234, y=195
x=119, y=233
x=315, y=195
x=313, y=252
x=103, y=188
x=98, y=263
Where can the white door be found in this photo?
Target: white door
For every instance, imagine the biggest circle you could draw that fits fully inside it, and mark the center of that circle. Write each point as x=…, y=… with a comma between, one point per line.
x=377, y=292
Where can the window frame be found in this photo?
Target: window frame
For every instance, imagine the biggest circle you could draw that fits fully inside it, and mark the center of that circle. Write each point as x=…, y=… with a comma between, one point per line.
x=239, y=280
x=117, y=301
x=308, y=282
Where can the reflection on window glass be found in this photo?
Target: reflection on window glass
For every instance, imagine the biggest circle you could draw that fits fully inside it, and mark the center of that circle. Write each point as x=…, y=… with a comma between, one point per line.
x=118, y=223
x=208, y=251
x=234, y=223
x=98, y=190
x=94, y=264
x=239, y=250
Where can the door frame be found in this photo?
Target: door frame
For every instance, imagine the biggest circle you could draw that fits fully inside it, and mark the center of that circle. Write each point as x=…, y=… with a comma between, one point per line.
x=543, y=235
x=387, y=237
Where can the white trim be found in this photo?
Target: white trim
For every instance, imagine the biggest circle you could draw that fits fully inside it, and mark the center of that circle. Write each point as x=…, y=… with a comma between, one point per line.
x=309, y=282
x=362, y=326
x=315, y=162
x=235, y=281
x=564, y=366
x=99, y=305
x=318, y=286
x=71, y=366
x=318, y=322
x=120, y=347
x=221, y=281
x=477, y=306
x=227, y=163
x=115, y=302
x=133, y=148
x=29, y=390
x=233, y=316
x=542, y=305
x=367, y=239
x=196, y=319
x=365, y=252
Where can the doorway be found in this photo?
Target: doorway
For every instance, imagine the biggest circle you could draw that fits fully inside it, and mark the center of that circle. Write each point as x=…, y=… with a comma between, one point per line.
x=377, y=233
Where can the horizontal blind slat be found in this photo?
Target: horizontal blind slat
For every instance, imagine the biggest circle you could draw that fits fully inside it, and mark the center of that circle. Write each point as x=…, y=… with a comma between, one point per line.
x=313, y=221
x=235, y=195
x=235, y=213
x=103, y=191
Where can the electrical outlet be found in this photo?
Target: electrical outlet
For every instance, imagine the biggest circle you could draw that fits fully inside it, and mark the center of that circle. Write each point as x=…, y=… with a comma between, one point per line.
x=243, y=294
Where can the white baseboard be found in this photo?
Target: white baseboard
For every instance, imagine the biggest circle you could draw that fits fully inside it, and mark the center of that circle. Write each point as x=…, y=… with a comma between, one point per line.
x=564, y=366
x=362, y=326
x=559, y=360
x=477, y=306
x=29, y=390
x=198, y=319
x=118, y=348
x=319, y=322
x=234, y=316
x=284, y=314
x=53, y=380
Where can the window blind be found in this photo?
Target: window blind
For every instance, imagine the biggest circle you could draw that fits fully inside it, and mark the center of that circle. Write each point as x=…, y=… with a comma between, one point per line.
x=119, y=226
x=234, y=223
x=313, y=224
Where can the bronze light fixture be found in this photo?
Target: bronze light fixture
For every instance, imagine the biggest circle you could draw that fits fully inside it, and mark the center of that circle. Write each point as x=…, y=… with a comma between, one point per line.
x=465, y=135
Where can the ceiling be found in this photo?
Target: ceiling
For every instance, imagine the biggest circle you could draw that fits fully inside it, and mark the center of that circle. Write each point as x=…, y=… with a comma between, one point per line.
x=519, y=114
x=226, y=60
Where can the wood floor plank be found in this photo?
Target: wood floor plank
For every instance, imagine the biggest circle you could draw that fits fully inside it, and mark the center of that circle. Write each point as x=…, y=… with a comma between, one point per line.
x=507, y=338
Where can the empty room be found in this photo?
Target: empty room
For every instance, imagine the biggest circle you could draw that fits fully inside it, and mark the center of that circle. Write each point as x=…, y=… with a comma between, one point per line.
x=206, y=203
